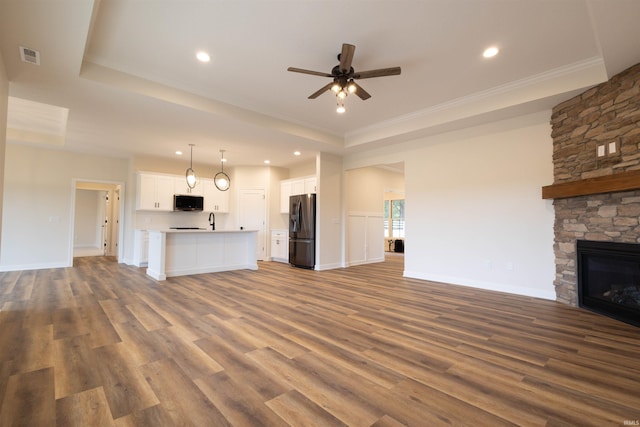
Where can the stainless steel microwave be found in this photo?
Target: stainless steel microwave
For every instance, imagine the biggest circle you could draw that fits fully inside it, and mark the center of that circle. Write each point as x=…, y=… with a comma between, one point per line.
x=187, y=202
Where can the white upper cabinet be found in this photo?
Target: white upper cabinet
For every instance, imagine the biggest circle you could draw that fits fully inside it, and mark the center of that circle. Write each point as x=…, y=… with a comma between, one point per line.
x=181, y=187
x=155, y=192
x=146, y=194
x=297, y=187
x=293, y=187
x=310, y=185
x=285, y=192
x=214, y=199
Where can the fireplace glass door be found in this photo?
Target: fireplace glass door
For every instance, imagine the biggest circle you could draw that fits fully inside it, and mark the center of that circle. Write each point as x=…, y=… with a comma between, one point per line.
x=609, y=279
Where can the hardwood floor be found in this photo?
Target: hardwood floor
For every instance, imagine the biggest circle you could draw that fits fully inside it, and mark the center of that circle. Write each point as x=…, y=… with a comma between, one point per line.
x=101, y=344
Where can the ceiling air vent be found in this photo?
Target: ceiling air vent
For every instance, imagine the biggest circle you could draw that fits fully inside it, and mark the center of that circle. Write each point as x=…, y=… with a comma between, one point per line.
x=29, y=55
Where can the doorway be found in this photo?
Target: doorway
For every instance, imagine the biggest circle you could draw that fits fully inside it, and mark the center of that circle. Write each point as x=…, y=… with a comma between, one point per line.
x=90, y=234
x=252, y=216
x=374, y=202
x=96, y=219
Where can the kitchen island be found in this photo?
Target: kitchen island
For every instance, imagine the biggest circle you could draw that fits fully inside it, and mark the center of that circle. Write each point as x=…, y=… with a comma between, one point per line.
x=182, y=252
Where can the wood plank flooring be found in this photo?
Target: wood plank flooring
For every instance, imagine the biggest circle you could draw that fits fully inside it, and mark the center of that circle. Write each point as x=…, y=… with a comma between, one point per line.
x=101, y=344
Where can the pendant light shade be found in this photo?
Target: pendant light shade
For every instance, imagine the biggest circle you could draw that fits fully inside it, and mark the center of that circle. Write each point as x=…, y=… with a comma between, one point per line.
x=191, y=174
x=221, y=179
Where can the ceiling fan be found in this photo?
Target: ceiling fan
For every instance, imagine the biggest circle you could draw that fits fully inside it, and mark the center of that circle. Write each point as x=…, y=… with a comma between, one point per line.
x=343, y=76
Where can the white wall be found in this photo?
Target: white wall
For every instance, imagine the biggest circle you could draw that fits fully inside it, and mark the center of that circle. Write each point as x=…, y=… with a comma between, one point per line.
x=365, y=188
x=329, y=241
x=4, y=101
x=88, y=224
x=38, y=192
x=177, y=165
x=277, y=220
x=474, y=211
x=303, y=169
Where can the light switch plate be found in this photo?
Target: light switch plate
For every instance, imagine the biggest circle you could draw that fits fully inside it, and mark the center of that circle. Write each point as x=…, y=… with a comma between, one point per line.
x=601, y=151
x=613, y=147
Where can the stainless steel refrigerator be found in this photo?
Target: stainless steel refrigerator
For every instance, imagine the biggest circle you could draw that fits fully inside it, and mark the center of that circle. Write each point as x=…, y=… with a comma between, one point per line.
x=302, y=230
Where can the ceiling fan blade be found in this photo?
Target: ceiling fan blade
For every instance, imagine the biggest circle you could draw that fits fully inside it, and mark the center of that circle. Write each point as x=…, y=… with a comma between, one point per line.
x=313, y=73
x=382, y=72
x=346, y=56
x=320, y=91
x=363, y=94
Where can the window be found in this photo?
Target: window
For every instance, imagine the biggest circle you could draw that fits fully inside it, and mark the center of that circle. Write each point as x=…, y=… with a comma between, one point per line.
x=394, y=215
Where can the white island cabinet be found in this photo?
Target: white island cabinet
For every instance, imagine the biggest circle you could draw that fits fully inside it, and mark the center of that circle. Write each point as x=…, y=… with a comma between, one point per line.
x=184, y=252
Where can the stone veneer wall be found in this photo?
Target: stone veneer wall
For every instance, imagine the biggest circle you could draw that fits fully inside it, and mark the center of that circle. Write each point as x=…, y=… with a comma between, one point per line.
x=609, y=112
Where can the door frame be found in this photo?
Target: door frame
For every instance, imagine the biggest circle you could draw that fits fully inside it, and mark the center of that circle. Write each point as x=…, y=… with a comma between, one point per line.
x=113, y=185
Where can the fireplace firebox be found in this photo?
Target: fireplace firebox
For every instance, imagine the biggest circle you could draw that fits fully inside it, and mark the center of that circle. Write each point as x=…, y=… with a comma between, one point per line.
x=609, y=279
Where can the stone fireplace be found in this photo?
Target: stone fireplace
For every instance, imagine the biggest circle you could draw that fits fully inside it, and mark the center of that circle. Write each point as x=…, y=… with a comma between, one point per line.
x=596, y=157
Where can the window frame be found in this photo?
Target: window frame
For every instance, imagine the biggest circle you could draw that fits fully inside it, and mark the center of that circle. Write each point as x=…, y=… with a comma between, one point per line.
x=393, y=232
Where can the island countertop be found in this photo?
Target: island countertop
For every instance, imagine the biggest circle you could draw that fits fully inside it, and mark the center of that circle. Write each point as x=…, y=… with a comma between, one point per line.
x=178, y=252
x=198, y=230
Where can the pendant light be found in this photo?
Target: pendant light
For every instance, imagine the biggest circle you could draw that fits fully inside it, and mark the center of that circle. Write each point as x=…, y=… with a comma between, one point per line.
x=191, y=174
x=221, y=179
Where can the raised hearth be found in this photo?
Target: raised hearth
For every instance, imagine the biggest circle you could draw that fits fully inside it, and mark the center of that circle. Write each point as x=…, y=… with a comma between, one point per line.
x=609, y=279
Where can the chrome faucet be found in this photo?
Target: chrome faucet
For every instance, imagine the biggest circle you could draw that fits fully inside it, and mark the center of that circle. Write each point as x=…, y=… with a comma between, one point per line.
x=212, y=221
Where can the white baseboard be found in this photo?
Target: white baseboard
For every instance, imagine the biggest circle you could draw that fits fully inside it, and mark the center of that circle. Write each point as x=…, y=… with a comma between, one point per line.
x=529, y=292
x=33, y=266
x=362, y=262
x=332, y=266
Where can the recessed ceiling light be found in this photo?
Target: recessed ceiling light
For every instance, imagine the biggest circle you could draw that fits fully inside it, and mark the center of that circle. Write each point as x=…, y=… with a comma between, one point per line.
x=266, y=162
x=179, y=153
x=490, y=52
x=203, y=56
x=296, y=153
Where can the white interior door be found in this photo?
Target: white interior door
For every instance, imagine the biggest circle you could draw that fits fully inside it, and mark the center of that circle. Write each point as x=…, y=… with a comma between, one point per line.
x=115, y=223
x=103, y=222
x=252, y=216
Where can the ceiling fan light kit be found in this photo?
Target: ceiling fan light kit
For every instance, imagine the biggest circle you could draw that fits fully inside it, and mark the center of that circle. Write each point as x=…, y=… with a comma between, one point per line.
x=344, y=77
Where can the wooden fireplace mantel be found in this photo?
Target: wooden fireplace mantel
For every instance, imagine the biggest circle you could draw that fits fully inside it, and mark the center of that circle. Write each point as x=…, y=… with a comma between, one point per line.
x=623, y=181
